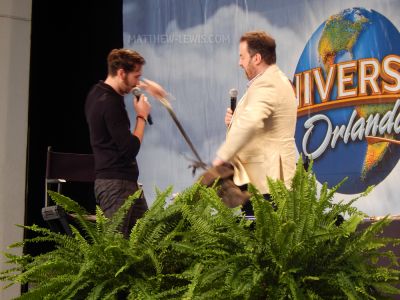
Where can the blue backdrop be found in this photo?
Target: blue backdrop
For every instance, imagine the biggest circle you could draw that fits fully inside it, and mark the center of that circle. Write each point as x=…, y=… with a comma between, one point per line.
x=191, y=48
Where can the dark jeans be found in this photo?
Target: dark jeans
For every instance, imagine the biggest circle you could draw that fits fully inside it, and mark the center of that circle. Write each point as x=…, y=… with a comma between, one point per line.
x=248, y=208
x=111, y=194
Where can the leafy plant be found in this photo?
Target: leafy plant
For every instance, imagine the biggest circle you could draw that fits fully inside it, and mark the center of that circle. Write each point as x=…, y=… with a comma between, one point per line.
x=196, y=248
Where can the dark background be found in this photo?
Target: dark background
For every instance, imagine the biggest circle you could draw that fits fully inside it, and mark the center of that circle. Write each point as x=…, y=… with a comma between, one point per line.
x=70, y=41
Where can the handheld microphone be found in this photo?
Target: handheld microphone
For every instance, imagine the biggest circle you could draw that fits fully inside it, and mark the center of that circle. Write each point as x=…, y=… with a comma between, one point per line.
x=137, y=92
x=233, y=93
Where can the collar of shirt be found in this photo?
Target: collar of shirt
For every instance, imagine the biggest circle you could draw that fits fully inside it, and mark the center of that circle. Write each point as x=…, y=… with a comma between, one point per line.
x=255, y=77
x=250, y=83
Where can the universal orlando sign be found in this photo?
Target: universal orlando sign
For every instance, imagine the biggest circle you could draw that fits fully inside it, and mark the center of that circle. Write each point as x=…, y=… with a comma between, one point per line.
x=347, y=84
x=376, y=82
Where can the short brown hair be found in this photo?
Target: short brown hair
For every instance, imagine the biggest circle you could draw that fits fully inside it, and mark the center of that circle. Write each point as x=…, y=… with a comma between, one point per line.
x=125, y=59
x=260, y=42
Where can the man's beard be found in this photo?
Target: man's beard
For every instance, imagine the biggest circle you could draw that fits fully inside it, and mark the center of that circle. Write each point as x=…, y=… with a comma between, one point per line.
x=127, y=87
x=250, y=72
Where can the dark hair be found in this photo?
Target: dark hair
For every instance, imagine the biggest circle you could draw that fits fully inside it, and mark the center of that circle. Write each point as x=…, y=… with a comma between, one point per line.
x=125, y=59
x=260, y=42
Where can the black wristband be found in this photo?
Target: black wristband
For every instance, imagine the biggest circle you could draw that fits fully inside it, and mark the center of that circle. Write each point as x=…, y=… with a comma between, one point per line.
x=141, y=117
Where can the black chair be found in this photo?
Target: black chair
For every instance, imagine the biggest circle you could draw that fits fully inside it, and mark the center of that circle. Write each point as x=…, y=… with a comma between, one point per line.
x=63, y=168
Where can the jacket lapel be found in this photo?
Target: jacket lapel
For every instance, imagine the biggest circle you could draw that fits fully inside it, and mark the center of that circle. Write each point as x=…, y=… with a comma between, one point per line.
x=238, y=107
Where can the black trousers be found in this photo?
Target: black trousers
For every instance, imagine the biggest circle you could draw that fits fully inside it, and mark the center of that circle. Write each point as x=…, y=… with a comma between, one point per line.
x=248, y=208
x=112, y=193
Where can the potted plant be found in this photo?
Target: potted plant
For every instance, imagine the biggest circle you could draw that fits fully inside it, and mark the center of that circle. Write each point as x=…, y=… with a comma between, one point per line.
x=197, y=248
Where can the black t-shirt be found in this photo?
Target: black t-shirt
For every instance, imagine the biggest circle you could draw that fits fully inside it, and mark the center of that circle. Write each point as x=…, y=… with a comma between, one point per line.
x=114, y=146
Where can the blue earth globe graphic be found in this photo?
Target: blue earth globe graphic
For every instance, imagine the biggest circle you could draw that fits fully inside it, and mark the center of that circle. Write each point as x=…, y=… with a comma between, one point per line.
x=374, y=36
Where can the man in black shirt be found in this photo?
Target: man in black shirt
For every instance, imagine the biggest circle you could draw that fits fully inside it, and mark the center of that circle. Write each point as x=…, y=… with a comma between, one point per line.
x=114, y=146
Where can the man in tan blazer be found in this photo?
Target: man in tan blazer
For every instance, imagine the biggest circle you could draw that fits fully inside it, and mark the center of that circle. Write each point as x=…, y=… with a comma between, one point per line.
x=260, y=132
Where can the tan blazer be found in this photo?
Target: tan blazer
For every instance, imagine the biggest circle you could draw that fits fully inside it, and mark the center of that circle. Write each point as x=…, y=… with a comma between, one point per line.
x=260, y=139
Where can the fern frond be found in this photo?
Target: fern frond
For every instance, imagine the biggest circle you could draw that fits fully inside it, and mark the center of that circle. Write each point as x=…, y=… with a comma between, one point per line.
x=118, y=217
x=101, y=220
x=71, y=206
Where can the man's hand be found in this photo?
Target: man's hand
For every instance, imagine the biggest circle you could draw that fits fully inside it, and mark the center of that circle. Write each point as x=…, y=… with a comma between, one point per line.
x=153, y=88
x=217, y=162
x=142, y=107
x=228, y=116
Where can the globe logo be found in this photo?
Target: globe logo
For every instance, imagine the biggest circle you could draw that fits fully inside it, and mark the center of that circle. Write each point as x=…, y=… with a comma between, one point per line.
x=347, y=85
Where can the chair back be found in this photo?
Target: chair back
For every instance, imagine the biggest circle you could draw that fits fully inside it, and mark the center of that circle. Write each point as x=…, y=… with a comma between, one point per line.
x=64, y=167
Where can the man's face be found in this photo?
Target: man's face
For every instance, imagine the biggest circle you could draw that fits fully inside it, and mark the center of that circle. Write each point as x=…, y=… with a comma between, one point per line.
x=246, y=61
x=130, y=80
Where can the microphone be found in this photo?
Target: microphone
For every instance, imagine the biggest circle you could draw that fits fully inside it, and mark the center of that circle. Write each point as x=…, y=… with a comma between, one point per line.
x=137, y=92
x=233, y=93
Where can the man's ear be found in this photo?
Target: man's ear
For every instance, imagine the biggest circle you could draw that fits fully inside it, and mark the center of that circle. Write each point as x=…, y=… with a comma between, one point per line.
x=257, y=58
x=120, y=73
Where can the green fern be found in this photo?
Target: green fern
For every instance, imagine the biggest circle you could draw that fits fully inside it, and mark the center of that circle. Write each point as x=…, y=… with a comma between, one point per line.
x=197, y=248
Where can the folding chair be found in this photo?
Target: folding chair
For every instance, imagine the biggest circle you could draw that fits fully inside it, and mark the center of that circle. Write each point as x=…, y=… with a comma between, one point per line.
x=62, y=167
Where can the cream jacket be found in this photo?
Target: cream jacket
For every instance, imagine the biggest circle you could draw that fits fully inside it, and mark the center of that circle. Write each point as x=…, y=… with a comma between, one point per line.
x=260, y=139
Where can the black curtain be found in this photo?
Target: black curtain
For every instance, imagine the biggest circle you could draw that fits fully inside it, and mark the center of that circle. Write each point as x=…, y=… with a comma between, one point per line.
x=70, y=41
